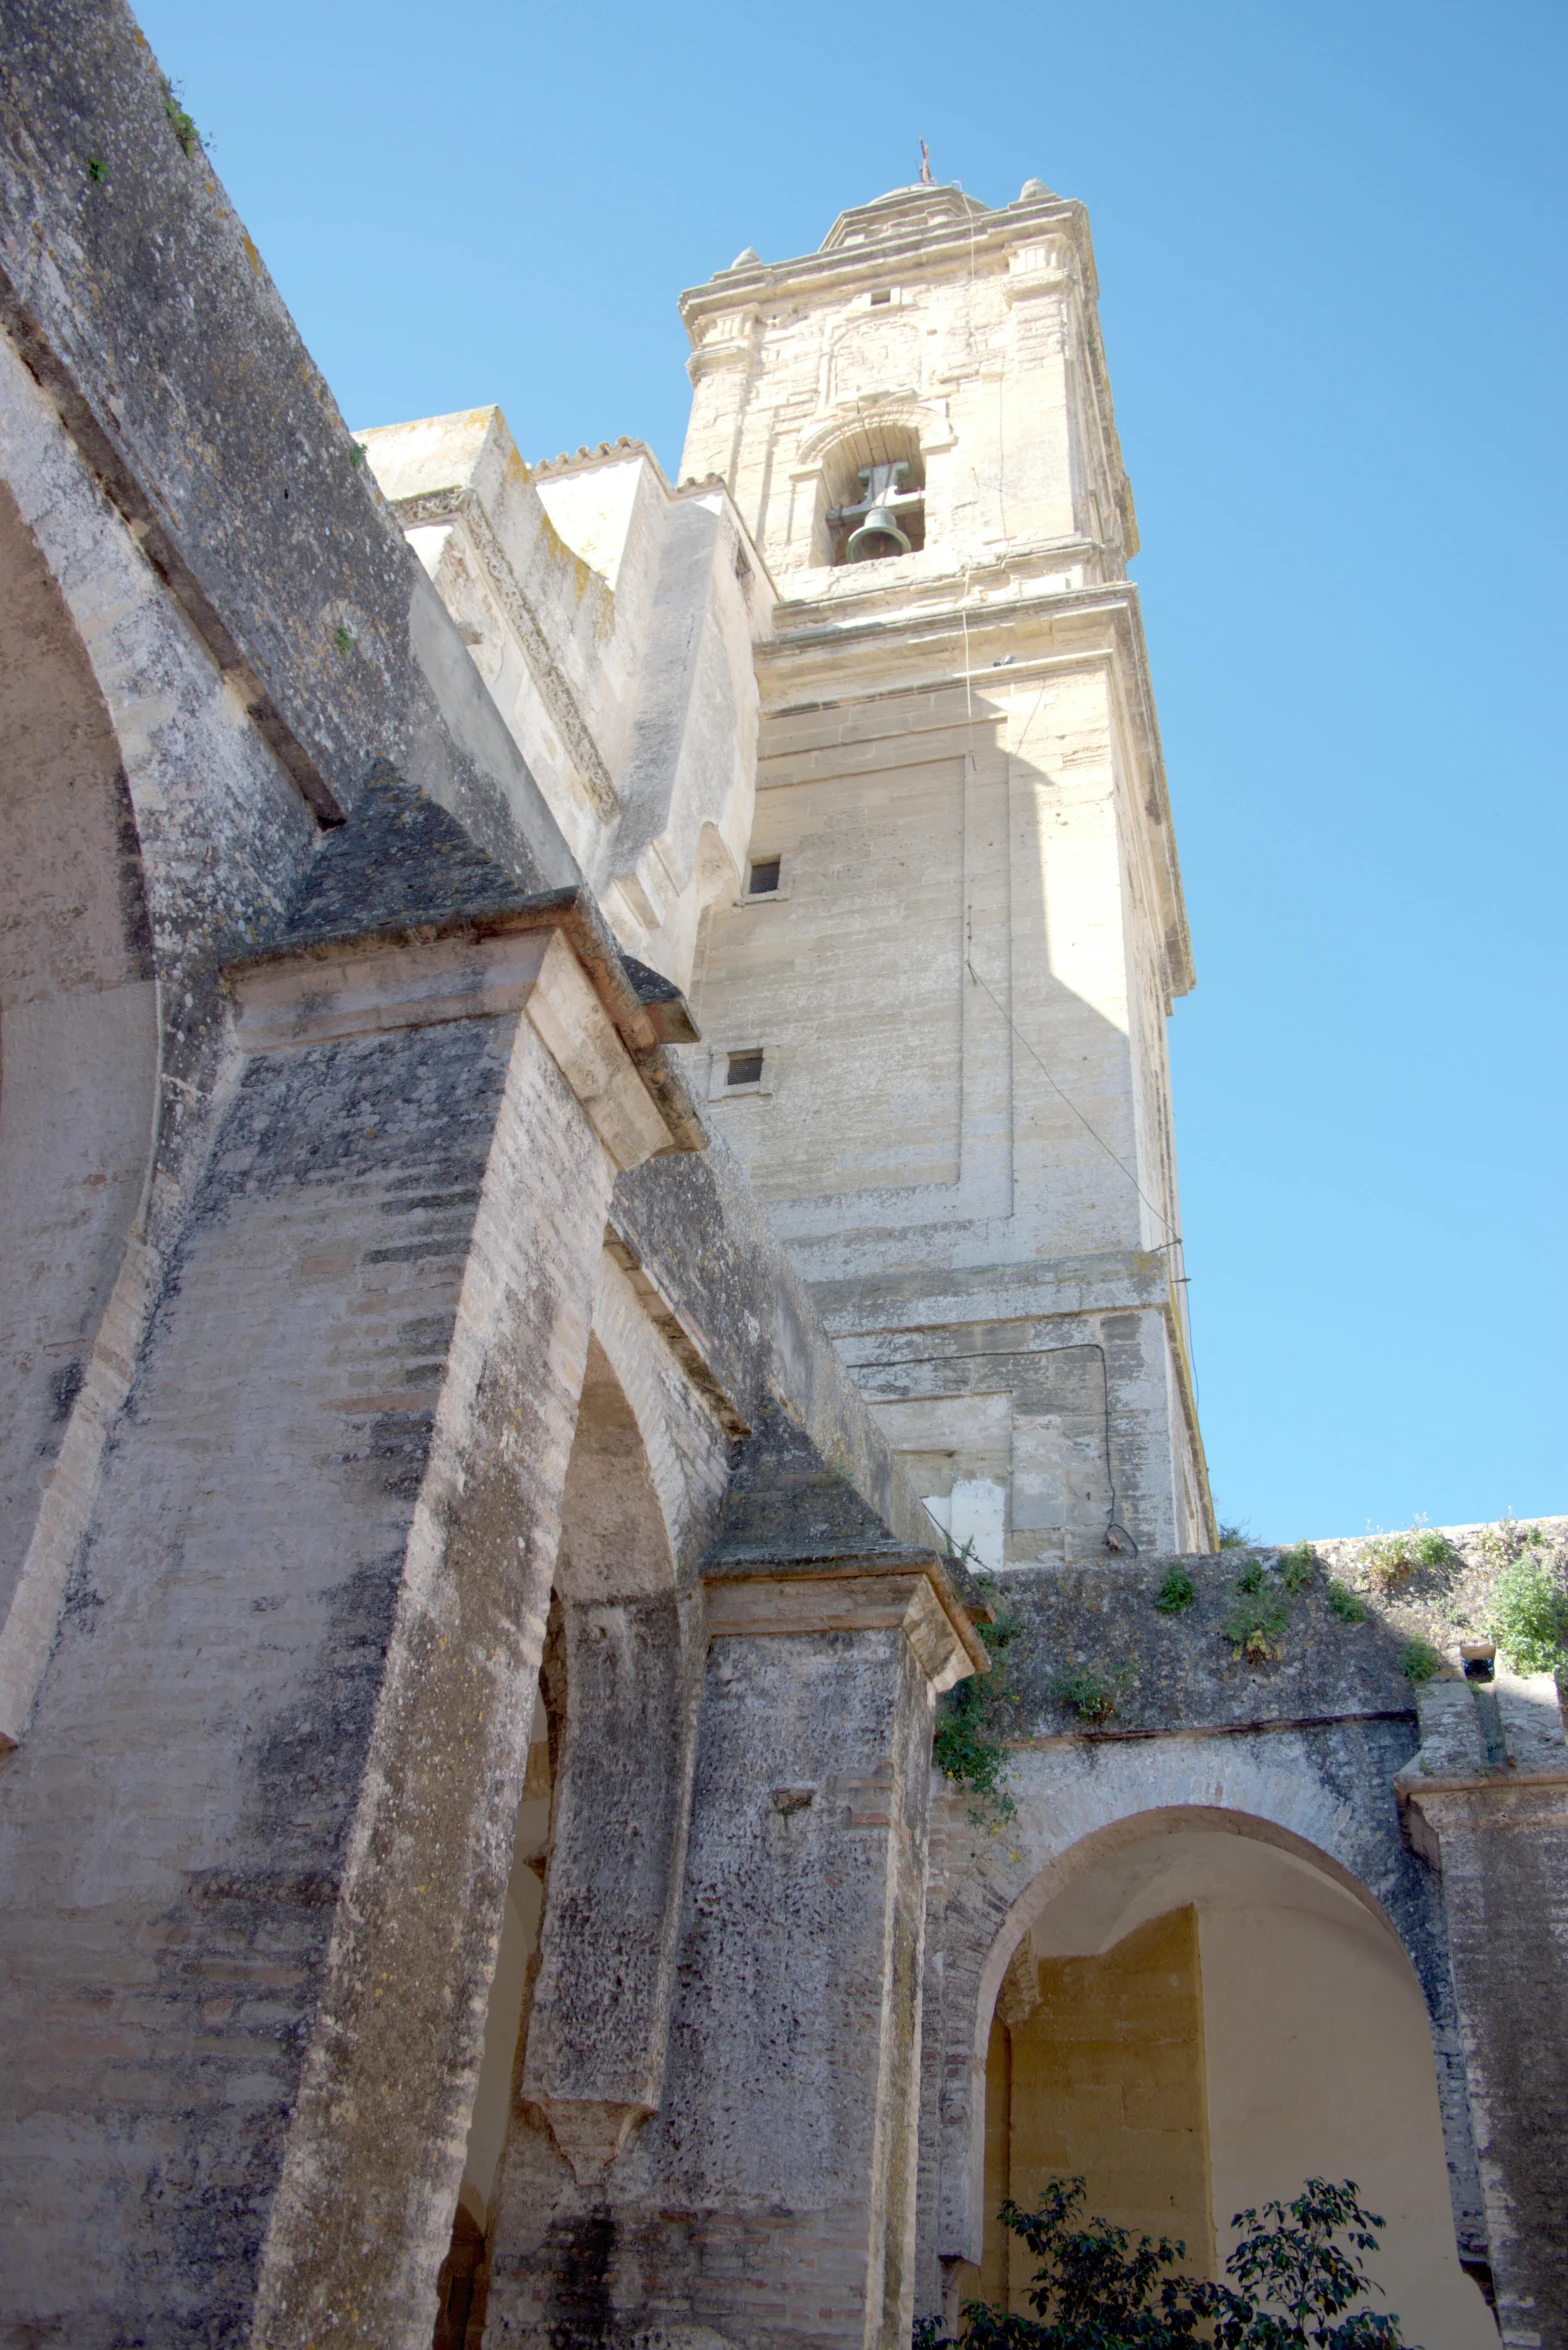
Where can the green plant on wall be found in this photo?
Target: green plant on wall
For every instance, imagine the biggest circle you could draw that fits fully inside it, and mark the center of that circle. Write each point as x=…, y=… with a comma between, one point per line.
x=1348, y=1605
x=182, y=124
x=1419, y=1660
x=1393, y=1558
x=1093, y=1696
x=1298, y=1566
x=1507, y=1538
x=1233, y=1537
x=965, y=1747
x=1529, y=1616
x=1177, y=1593
x=1255, y=1626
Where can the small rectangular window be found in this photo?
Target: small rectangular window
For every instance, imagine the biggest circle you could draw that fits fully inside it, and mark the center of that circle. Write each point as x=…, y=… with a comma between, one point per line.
x=744, y=1069
x=876, y=298
x=764, y=876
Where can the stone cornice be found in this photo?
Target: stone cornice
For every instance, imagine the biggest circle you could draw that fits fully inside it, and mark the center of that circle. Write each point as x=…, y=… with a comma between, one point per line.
x=918, y=251
x=475, y=963
x=790, y=656
x=809, y=624
x=901, y=1589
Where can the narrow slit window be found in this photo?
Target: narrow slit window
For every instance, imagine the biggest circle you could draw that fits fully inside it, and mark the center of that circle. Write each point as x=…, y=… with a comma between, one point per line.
x=877, y=299
x=744, y=1068
x=764, y=876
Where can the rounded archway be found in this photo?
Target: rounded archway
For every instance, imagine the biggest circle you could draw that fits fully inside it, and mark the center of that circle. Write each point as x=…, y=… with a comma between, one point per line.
x=78, y=1027
x=1201, y=2013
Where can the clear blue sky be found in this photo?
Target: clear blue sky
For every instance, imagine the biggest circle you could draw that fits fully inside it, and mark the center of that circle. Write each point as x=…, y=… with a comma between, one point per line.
x=1331, y=245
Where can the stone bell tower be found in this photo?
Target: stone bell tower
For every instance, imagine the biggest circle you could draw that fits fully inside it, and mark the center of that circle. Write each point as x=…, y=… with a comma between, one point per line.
x=934, y=1018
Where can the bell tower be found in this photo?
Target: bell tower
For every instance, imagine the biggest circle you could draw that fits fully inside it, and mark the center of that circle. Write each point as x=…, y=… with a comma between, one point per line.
x=934, y=1017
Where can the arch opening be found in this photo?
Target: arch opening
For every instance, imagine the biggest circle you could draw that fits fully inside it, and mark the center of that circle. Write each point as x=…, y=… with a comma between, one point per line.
x=78, y=1026
x=573, y=2048
x=873, y=487
x=1199, y=2017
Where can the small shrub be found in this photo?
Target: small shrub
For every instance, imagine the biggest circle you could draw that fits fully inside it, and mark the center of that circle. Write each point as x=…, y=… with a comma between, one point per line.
x=1529, y=1617
x=1090, y=1695
x=1393, y=1558
x=344, y=641
x=1294, y=2274
x=1256, y=1624
x=1251, y=1576
x=1419, y=1660
x=97, y=170
x=964, y=1751
x=1505, y=1540
x=1389, y=1560
x=1298, y=1566
x=1233, y=1537
x=1348, y=1605
x=1432, y=1546
x=965, y=1747
x=1176, y=1593
x=1499, y=1542
x=1295, y=2278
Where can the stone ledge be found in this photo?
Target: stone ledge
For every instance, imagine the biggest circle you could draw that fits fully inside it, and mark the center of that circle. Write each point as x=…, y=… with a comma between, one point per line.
x=464, y=965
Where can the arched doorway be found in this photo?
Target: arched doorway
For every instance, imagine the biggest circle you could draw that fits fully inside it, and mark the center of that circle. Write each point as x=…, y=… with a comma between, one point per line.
x=1200, y=2018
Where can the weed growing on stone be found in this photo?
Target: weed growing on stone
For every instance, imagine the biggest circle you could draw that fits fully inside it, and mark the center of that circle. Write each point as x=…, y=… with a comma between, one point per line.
x=344, y=641
x=1176, y=1593
x=1419, y=1660
x=964, y=1751
x=97, y=170
x=1090, y=1695
x=1233, y=1537
x=1251, y=1576
x=965, y=1747
x=1387, y=1561
x=1348, y=1605
x=1391, y=1559
x=1529, y=1616
x=1507, y=1539
x=1256, y=1624
x=182, y=124
x=1298, y=1566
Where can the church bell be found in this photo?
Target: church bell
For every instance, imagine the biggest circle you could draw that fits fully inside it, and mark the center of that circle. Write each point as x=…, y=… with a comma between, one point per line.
x=878, y=535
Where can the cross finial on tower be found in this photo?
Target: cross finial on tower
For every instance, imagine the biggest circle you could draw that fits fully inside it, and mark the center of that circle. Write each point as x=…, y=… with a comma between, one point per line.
x=926, y=180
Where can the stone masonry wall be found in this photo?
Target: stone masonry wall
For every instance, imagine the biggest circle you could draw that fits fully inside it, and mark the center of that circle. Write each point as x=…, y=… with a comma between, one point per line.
x=175, y=1827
